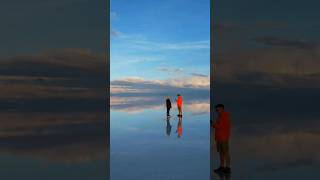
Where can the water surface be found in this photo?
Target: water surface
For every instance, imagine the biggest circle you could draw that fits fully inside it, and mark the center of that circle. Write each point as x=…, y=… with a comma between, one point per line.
x=145, y=144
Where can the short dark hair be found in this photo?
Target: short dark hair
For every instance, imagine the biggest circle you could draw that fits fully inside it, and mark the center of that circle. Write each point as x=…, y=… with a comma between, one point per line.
x=219, y=106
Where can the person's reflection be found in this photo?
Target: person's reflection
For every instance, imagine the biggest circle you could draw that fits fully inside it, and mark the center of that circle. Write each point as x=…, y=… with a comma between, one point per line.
x=223, y=177
x=179, y=127
x=168, y=126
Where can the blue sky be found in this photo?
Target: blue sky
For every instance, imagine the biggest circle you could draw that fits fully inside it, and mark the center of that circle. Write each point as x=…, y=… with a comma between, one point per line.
x=158, y=40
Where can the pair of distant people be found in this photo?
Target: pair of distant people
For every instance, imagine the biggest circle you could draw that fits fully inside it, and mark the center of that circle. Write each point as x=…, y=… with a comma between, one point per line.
x=179, y=102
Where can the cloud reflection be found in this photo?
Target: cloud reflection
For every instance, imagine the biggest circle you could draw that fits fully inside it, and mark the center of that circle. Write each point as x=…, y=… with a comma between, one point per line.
x=53, y=106
x=140, y=104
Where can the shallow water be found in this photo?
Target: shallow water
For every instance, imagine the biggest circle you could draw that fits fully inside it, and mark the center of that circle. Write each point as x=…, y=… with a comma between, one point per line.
x=253, y=165
x=282, y=155
x=42, y=140
x=144, y=147
x=18, y=168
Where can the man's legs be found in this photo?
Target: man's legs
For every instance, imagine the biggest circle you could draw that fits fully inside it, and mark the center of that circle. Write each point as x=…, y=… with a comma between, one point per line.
x=228, y=159
x=224, y=155
x=221, y=151
x=222, y=159
x=180, y=110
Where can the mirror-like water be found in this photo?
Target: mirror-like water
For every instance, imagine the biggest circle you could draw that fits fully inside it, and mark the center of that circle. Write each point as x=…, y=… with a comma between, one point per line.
x=146, y=144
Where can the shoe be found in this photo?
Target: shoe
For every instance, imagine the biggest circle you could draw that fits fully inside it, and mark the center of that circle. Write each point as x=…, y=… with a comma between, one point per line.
x=226, y=171
x=219, y=170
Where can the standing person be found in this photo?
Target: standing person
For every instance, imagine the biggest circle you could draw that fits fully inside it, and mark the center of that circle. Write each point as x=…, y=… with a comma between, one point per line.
x=222, y=128
x=168, y=104
x=179, y=104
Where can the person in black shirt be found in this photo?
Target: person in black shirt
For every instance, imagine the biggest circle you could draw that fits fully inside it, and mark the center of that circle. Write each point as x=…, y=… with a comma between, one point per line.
x=168, y=104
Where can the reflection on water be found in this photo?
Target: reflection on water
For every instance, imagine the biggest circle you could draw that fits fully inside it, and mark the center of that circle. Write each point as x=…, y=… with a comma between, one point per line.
x=51, y=126
x=179, y=127
x=141, y=146
x=168, y=127
x=47, y=145
x=222, y=177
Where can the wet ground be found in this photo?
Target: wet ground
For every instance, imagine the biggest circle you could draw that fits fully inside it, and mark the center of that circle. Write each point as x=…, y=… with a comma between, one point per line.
x=145, y=144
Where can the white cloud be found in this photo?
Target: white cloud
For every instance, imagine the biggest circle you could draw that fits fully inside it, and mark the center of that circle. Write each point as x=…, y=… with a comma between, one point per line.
x=139, y=41
x=113, y=15
x=192, y=82
x=153, y=45
x=182, y=82
x=170, y=70
x=126, y=89
x=128, y=60
x=198, y=107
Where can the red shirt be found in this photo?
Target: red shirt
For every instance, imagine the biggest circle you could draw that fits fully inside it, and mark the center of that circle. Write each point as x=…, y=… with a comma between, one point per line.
x=179, y=101
x=222, y=127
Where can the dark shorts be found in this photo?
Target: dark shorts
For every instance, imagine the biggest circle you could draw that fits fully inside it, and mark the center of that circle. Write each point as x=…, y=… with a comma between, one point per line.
x=222, y=146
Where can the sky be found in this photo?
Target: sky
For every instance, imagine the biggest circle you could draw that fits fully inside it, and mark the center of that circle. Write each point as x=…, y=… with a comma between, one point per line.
x=160, y=40
x=266, y=60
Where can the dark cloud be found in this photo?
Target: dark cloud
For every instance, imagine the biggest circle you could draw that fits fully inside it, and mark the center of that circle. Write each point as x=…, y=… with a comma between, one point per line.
x=272, y=66
x=53, y=106
x=57, y=73
x=281, y=42
x=268, y=104
x=54, y=63
x=234, y=27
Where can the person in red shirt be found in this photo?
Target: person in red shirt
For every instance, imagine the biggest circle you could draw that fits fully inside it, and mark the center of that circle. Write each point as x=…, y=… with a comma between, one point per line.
x=179, y=104
x=222, y=128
